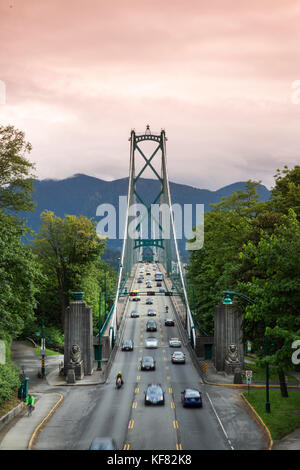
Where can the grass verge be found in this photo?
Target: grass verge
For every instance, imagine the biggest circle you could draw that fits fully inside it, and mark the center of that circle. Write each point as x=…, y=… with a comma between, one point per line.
x=285, y=412
x=9, y=405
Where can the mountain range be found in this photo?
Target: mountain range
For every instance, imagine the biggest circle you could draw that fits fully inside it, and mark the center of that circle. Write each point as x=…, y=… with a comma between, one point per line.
x=81, y=195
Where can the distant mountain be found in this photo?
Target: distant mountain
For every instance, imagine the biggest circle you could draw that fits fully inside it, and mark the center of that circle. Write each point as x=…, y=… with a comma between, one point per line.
x=82, y=194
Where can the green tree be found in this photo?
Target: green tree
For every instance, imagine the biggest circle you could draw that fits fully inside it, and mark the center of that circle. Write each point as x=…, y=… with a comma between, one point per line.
x=68, y=249
x=276, y=293
x=19, y=274
x=16, y=178
x=285, y=194
x=212, y=269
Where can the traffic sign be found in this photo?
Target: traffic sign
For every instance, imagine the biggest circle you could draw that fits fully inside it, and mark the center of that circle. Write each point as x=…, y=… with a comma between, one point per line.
x=248, y=373
x=248, y=380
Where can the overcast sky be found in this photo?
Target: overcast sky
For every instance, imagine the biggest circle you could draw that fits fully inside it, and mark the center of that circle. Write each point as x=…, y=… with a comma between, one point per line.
x=217, y=75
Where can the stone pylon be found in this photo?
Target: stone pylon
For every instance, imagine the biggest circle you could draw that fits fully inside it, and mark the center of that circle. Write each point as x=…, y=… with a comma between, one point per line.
x=79, y=330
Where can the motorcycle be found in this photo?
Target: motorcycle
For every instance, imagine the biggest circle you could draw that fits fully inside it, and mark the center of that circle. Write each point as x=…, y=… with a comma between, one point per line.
x=119, y=382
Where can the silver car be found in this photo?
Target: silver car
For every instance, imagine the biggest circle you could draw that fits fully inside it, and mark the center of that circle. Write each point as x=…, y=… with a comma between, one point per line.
x=178, y=357
x=151, y=342
x=174, y=343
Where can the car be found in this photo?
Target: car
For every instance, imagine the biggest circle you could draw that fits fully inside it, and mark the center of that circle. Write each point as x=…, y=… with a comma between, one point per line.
x=127, y=345
x=178, y=357
x=169, y=322
x=191, y=397
x=151, y=325
x=139, y=281
x=103, y=443
x=134, y=314
x=149, y=285
x=149, y=301
x=148, y=273
x=151, y=312
x=154, y=395
x=136, y=298
x=162, y=290
x=158, y=284
x=174, y=343
x=151, y=342
x=147, y=363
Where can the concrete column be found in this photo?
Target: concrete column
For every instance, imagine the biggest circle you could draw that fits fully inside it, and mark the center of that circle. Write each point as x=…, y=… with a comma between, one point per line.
x=79, y=330
x=227, y=331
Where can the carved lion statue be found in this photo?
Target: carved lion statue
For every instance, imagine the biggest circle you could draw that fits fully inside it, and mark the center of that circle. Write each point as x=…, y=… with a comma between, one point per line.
x=75, y=356
x=232, y=354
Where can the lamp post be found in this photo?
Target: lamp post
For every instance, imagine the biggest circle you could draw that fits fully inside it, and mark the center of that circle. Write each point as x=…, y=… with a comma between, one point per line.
x=228, y=301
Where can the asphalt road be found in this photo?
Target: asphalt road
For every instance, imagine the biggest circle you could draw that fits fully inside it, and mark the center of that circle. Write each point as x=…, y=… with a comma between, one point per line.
x=102, y=410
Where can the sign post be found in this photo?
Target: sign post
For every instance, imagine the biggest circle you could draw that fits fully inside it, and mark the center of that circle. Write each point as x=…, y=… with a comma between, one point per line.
x=248, y=378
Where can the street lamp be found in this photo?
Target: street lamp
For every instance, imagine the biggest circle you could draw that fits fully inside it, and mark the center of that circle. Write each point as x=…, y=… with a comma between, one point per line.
x=228, y=301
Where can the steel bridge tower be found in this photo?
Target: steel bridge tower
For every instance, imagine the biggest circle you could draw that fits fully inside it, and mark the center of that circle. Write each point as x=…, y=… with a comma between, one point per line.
x=161, y=225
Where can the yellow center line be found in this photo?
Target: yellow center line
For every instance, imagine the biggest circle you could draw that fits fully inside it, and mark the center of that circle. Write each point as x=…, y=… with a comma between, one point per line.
x=134, y=404
x=175, y=424
x=178, y=446
x=127, y=447
x=137, y=390
x=138, y=378
x=170, y=390
x=131, y=424
x=172, y=404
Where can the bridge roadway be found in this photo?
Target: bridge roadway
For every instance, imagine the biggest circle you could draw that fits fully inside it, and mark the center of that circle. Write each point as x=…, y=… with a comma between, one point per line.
x=88, y=412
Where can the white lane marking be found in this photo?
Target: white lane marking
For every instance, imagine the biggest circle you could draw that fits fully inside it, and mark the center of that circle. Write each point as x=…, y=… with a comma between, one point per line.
x=220, y=422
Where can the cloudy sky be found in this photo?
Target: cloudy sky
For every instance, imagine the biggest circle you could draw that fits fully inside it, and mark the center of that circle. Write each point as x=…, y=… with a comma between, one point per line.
x=217, y=75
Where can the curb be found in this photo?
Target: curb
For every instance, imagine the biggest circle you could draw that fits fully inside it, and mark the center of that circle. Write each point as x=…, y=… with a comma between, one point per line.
x=45, y=420
x=258, y=418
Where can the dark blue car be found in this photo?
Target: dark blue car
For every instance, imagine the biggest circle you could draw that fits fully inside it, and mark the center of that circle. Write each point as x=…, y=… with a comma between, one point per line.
x=191, y=397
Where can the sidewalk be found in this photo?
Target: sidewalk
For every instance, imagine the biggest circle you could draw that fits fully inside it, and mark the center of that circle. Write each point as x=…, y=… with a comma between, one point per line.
x=17, y=434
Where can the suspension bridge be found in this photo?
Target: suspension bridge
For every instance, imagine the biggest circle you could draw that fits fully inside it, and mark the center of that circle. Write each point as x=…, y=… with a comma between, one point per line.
x=160, y=247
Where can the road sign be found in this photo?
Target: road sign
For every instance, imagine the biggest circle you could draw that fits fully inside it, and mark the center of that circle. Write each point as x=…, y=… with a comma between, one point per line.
x=248, y=373
x=248, y=380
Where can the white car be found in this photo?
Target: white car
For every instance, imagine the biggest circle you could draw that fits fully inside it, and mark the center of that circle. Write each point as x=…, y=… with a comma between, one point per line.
x=151, y=343
x=175, y=343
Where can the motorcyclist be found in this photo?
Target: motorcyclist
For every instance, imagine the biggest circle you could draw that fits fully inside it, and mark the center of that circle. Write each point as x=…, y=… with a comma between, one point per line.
x=119, y=377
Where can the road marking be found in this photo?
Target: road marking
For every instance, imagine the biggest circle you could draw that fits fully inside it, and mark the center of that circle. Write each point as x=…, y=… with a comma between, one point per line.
x=170, y=390
x=131, y=424
x=138, y=378
x=126, y=447
x=163, y=350
x=134, y=404
x=139, y=359
x=168, y=377
x=220, y=422
x=167, y=367
x=179, y=446
x=172, y=404
x=175, y=424
x=137, y=390
x=140, y=350
x=141, y=343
